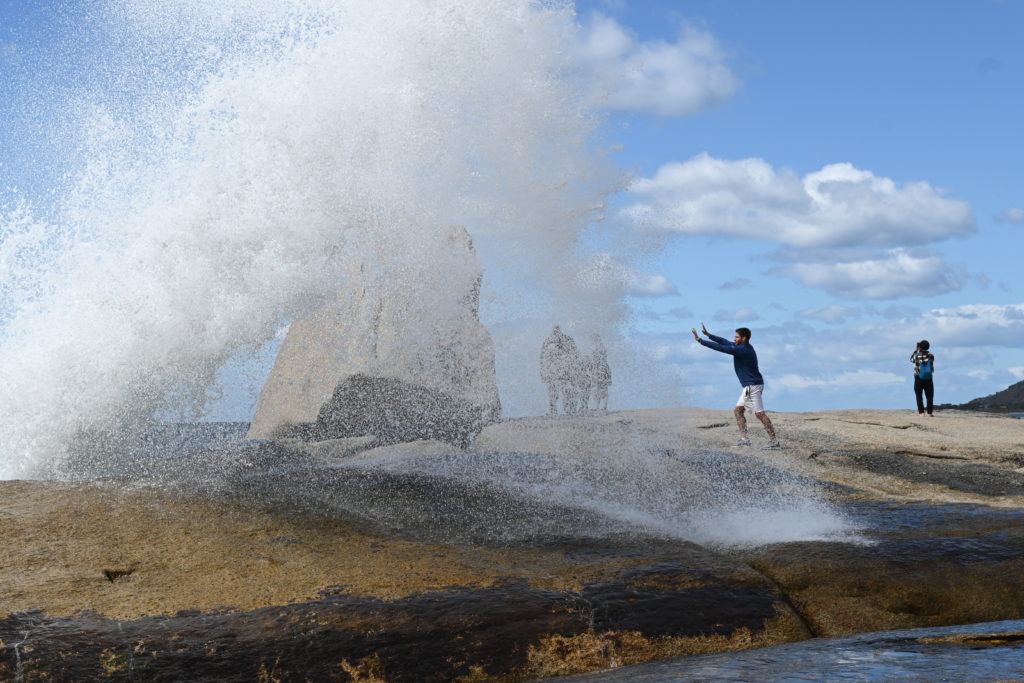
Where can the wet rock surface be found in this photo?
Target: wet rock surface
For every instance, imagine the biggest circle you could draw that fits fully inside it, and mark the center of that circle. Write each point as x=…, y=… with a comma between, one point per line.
x=507, y=630
x=554, y=547
x=949, y=470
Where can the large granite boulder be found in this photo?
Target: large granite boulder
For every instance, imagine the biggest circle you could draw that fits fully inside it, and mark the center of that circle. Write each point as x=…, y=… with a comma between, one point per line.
x=413, y=326
x=395, y=412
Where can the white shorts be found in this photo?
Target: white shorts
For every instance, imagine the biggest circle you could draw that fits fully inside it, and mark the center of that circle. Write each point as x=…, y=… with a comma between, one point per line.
x=751, y=397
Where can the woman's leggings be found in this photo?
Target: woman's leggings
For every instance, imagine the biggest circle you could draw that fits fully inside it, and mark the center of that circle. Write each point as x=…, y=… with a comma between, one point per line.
x=928, y=387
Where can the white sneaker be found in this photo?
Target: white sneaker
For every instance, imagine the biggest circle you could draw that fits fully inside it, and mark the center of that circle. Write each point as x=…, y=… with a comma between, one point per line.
x=771, y=446
x=743, y=442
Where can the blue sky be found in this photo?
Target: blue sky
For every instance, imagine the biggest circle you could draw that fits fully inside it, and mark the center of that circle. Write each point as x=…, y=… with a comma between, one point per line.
x=919, y=103
x=843, y=178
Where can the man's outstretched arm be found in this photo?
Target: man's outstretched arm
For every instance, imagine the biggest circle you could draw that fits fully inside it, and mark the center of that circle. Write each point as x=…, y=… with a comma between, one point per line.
x=713, y=337
x=728, y=348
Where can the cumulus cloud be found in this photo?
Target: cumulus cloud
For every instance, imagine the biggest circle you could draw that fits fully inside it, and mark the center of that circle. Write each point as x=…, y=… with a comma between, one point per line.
x=738, y=283
x=834, y=314
x=975, y=324
x=745, y=314
x=865, y=361
x=859, y=378
x=886, y=274
x=840, y=205
x=649, y=285
x=841, y=229
x=1011, y=215
x=656, y=77
x=969, y=328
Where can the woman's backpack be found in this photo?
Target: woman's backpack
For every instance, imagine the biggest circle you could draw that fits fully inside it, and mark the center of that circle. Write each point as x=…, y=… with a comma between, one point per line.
x=924, y=370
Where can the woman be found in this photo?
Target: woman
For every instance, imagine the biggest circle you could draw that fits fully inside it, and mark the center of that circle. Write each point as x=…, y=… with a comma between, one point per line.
x=924, y=367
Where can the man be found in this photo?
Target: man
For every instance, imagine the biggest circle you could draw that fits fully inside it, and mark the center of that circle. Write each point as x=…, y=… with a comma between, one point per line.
x=577, y=383
x=744, y=361
x=556, y=361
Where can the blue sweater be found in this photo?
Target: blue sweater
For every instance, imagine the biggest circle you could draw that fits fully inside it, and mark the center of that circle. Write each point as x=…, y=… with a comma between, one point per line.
x=744, y=359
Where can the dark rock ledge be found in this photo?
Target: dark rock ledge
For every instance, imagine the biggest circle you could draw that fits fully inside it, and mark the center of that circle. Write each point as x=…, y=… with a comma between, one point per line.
x=508, y=631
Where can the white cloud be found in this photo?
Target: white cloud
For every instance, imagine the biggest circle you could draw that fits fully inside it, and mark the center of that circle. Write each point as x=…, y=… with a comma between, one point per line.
x=745, y=314
x=650, y=285
x=840, y=205
x=860, y=378
x=656, y=77
x=830, y=314
x=967, y=328
x=975, y=324
x=864, y=362
x=885, y=275
x=1011, y=215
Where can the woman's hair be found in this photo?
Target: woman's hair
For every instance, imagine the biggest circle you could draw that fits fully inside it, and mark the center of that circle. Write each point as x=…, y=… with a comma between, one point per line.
x=923, y=345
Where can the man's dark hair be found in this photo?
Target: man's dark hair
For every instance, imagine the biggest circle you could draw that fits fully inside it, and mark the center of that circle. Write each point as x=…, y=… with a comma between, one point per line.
x=923, y=345
x=743, y=332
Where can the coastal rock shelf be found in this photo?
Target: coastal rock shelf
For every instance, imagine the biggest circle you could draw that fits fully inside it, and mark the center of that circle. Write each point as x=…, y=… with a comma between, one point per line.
x=530, y=555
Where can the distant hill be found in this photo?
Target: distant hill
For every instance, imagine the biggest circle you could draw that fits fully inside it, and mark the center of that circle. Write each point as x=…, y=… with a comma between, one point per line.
x=1008, y=400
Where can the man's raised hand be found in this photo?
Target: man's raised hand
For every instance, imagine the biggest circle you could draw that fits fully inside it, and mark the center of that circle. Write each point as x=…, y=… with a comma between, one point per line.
x=704, y=330
x=694, y=330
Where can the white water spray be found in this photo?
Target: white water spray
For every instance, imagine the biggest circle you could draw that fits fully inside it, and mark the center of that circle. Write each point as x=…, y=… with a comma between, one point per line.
x=264, y=145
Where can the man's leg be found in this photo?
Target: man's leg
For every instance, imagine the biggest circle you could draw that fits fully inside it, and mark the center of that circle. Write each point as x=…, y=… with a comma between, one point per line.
x=571, y=399
x=768, y=426
x=929, y=393
x=741, y=418
x=918, y=388
x=741, y=422
x=755, y=396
